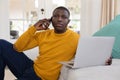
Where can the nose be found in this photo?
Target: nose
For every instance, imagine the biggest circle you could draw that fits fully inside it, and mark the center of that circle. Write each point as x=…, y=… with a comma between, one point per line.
x=59, y=18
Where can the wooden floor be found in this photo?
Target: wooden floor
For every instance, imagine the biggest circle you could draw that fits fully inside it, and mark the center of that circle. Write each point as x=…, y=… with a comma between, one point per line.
x=9, y=75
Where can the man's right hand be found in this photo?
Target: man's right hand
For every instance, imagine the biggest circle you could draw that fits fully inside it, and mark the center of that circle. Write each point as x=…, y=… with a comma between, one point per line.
x=42, y=24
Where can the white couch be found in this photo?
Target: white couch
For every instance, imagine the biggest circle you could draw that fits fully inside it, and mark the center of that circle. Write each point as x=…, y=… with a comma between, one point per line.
x=111, y=72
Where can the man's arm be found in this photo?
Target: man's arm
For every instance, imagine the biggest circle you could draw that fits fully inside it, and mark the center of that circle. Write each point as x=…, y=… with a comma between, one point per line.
x=28, y=39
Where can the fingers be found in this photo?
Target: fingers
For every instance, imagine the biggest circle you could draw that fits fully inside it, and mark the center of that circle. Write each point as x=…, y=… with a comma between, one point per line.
x=46, y=24
x=42, y=24
x=109, y=61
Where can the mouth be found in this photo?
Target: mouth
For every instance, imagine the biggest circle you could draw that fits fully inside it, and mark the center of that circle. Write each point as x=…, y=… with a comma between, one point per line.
x=59, y=25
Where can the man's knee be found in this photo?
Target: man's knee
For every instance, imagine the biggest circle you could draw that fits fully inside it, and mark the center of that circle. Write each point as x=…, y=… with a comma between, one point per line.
x=3, y=42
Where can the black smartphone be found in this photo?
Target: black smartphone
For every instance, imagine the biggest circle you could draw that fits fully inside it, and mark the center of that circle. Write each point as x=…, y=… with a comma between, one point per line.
x=50, y=20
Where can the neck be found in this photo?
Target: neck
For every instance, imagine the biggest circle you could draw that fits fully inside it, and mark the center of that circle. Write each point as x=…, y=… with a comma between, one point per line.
x=60, y=32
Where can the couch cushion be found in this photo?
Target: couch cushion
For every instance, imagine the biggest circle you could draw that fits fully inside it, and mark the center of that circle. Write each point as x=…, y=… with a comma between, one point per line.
x=112, y=29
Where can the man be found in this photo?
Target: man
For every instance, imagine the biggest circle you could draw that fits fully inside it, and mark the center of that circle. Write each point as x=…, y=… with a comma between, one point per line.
x=55, y=45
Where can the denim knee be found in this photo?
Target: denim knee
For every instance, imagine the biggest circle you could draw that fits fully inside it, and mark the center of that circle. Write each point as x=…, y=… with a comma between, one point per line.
x=5, y=43
x=2, y=41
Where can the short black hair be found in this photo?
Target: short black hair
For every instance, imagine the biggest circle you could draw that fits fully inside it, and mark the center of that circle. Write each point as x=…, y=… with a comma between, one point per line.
x=63, y=8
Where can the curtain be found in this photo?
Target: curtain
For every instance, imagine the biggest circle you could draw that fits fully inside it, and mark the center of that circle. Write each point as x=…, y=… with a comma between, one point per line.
x=108, y=11
x=90, y=16
x=97, y=13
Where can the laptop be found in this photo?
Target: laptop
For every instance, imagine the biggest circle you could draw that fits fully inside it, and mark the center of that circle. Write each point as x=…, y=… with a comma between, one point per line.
x=91, y=51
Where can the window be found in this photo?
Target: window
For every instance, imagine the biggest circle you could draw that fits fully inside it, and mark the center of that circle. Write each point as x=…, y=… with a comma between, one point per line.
x=23, y=13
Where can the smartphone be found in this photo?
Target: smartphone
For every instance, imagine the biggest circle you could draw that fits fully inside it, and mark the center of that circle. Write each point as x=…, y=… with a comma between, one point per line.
x=50, y=20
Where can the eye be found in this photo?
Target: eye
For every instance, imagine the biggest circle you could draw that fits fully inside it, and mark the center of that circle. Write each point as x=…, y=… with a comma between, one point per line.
x=64, y=17
x=55, y=16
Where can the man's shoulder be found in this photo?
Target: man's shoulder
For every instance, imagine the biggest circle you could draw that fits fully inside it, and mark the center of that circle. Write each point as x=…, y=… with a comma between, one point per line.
x=74, y=32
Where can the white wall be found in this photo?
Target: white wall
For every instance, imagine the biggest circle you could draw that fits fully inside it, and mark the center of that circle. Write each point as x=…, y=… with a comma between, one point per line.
x=4, y=22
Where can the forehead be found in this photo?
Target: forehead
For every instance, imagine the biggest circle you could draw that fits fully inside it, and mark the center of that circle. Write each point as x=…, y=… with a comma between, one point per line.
x=60, y=12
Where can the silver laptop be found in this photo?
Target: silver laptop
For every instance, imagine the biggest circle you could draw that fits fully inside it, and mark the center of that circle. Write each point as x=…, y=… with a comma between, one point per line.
x=91, y=51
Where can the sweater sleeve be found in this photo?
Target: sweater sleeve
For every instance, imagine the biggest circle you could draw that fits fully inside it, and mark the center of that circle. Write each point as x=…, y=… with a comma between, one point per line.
x=26, y=40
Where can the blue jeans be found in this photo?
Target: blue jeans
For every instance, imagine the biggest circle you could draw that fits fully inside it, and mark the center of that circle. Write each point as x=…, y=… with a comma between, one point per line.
x=18, y=63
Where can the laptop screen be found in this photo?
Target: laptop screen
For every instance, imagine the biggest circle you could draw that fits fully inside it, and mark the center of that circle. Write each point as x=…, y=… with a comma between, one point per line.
x=93, y=51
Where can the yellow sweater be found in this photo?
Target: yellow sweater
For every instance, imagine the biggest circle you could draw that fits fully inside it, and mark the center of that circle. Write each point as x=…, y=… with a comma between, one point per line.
x=53, y=49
